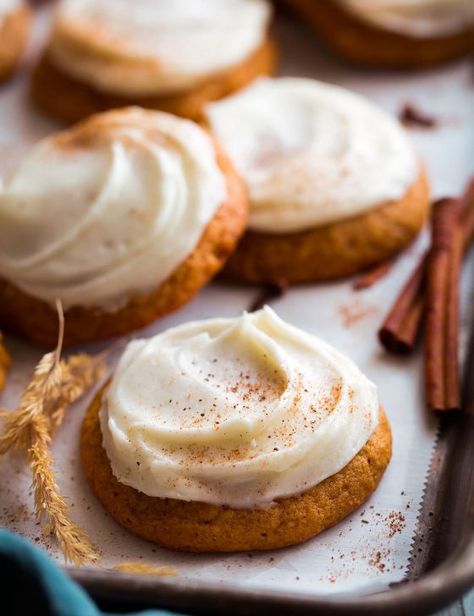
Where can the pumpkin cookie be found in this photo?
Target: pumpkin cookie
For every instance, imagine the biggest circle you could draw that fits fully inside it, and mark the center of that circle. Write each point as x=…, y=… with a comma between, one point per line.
x=104, y=54
x=393, y=34
x=234, y=434
x=5, y=361
x=14, y=29
x=123, y=218
x=335, y=185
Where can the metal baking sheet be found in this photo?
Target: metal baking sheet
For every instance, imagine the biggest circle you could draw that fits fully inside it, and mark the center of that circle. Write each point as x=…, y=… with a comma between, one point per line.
x=412, y=527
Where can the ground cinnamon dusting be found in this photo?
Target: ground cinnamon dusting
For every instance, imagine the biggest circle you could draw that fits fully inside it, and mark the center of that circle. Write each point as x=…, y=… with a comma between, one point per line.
x=377, y=560
x=384, y=527
x=395, y=522
x=355, y=312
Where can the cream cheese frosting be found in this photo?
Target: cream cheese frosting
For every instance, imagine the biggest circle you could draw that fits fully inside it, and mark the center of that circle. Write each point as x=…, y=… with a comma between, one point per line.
x=7, y=6
x=236, y=412
x=421, y=18
x=311, y=153
x=151, y=47
x=108, y=208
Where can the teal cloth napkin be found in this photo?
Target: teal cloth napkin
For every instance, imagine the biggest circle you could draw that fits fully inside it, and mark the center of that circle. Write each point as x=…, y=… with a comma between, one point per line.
x=30, y=583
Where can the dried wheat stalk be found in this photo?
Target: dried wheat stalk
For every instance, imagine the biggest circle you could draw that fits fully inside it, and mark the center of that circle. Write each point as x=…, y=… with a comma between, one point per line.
x=145, y=569
x=55, y=385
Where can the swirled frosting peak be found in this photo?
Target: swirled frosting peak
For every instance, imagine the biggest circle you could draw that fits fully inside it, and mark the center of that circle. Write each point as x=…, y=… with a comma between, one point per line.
x=151, y=47
x=311, y=153
x=7, y=6
x=234, y=411
x=109, y=208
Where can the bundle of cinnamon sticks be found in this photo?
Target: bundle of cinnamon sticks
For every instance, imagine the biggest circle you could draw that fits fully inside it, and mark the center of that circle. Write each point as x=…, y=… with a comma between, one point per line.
x=431, y=295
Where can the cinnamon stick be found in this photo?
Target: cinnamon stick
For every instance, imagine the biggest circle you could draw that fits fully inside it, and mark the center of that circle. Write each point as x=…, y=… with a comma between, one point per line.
x=442, y=308
x=411, y=116
x=270, y=292
x=400, y=330
x=370, y=277
x=452, y=367
x=467, y=216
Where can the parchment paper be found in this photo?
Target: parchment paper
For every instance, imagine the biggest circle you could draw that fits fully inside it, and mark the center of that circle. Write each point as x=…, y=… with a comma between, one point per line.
x=370, y=549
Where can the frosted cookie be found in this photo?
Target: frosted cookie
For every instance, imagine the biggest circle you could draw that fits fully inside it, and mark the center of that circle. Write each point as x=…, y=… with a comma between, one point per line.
x=234, y=434
x=393, y=33
x=334, y=183
x=171, y=55
x=123, y=218
x=14, y=29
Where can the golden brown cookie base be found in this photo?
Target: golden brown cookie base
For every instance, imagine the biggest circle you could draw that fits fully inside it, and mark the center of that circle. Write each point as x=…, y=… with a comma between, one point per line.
x=332, y=251
x=367, y=44
x=38, y=321
x=199, y=527
x=70, y=100
x=5, y=361
x=13, y=37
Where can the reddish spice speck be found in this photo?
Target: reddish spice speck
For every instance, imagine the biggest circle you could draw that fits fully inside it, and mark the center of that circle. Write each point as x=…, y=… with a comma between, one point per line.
x=355, y=312
x=396, y=523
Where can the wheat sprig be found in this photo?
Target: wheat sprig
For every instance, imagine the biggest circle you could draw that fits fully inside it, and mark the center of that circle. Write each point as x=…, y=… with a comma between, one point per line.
x=55, y=385
x=46, y=380
x=79, y=374
x=145, y=569
x=50, y=505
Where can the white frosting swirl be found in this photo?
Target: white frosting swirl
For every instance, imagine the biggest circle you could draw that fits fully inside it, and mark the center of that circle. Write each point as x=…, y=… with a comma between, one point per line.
x=234, y=411
x=7, y=6
x=147, y=47
x=109, y=208
x=420, y=18
x=311, y=153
